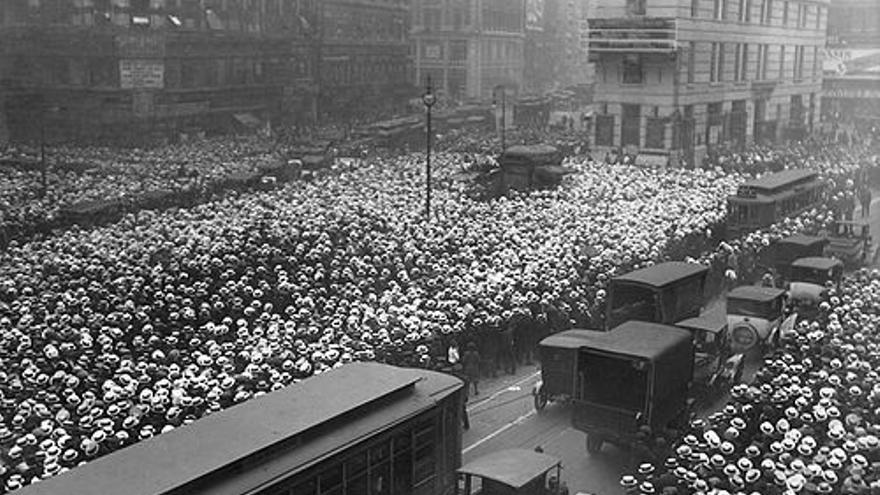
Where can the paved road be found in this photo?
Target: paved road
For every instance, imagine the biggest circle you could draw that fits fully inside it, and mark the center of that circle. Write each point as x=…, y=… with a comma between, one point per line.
x=503, y=416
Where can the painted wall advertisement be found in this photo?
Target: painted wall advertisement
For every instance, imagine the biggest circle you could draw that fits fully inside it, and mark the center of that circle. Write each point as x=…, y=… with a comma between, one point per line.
x=141, y=74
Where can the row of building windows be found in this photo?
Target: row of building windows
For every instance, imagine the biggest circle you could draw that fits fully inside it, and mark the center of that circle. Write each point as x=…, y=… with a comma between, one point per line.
x=345, y=23
x=734, y=124
x=364, y=70
x=743, y=69
x=236, y=15
x=103, y=72
x=782, y=12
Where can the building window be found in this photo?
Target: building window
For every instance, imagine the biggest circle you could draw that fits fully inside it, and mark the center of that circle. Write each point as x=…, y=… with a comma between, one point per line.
x=716, y=63
x=632, y=69
x=740, y=65
x=695, y=8
x=458, y=50
x=785, y=13
x=744, y=63
x=605, y=130
x=781, y=61
x=766, y=11
x=691, y=61
x=635, y=7
x=819, y=12
x=631, y=122
x=655, y=133
x=815, y=61
x=718, y=9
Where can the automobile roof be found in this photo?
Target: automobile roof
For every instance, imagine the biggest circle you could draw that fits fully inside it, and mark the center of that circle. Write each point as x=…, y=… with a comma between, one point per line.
x=714, y=322
x=640, y=339
x=571, y=339
x=755, y=293
x=512, y=467
x=663, y=274
x=819, y=263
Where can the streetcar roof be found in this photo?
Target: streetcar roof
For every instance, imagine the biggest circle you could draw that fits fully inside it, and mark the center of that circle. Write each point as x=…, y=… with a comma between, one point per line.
x=513, y=467
x=273, y=422
x=803, y=240
x=771, y=182
x=816, y=262
x=663, y=274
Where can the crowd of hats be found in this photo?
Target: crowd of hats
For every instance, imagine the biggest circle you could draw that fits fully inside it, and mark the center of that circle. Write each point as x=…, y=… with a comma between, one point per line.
x=808, y=424
x=829, y=159
x=115, y=334
x=118, y=333
x=112, y=173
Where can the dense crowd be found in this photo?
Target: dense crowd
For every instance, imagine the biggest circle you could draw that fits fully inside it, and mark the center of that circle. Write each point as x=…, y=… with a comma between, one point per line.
x=115, y=334
x=102, y=173
x=808, y=423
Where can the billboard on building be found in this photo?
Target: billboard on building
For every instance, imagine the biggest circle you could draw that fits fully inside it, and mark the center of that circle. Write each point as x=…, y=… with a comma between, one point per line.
x=535, y=15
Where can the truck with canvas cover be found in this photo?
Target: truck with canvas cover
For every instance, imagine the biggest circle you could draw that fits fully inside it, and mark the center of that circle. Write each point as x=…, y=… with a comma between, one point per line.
x=638, y=374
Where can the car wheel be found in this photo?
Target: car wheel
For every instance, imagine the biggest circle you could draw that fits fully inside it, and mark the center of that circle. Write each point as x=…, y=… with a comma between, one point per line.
x=594, y=443
x=540, y=401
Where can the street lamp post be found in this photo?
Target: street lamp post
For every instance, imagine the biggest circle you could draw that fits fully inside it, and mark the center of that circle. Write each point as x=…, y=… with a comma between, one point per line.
x=503, y=114
x=428, y=99
x=43, y=180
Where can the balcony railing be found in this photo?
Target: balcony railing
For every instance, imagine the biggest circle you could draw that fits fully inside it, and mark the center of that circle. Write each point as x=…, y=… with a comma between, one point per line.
x=640, y=35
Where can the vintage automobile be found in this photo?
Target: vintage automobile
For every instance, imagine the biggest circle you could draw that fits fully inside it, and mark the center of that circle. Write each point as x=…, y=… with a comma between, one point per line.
x=850, y=242
x=638, y=374
x=716, y=366
x=786, y=250
x=559, y=370
x=664, y=293
x=511, y=472
x=808, y=279
x=754, y=315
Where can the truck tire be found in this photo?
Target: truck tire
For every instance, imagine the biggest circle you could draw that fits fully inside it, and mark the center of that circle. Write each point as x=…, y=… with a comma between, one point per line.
x=594, y=443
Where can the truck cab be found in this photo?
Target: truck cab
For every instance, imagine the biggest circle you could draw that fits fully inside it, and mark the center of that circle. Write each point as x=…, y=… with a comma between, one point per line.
x=809, y=277
x=664, y=293
x=754, y=316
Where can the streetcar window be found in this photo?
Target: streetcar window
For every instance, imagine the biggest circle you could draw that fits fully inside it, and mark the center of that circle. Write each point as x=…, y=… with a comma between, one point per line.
x=403, y=462
x=308, y=487
x=331, y=481
x=356, y=475
x=425, y=446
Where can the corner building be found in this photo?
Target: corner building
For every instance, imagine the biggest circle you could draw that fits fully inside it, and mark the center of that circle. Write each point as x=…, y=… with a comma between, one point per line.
x=469, y=47
x=675, y=78
x=125, y=70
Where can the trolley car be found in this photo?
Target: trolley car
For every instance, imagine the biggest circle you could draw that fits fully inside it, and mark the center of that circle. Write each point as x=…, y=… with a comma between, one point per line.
x=771, y=198
x=365, y=428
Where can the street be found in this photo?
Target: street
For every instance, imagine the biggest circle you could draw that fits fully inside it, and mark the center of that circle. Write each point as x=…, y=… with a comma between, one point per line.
x=503, y=416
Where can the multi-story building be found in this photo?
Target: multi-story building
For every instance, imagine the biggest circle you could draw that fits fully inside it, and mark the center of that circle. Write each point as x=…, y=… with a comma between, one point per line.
x=554, y=55
x=852, y=63
x=468, y=48
x=106, y=69
x=676, y=77
x=365, y=64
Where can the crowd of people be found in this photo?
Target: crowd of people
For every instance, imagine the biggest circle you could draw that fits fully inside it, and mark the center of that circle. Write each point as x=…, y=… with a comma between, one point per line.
x=87, y=174
x=114, y=334
x=808, y=423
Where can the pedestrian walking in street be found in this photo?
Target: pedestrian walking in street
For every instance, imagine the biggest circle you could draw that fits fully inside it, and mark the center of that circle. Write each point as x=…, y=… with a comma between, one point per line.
x=471, y=367
x=465, y=420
